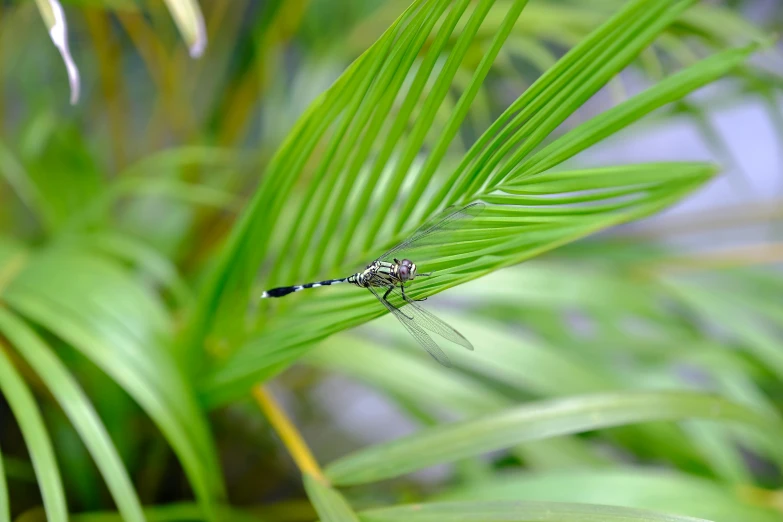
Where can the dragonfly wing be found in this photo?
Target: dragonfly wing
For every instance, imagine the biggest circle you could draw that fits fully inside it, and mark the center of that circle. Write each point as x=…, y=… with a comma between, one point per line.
x=431, y=322
x=415, y=330
x=428, y=233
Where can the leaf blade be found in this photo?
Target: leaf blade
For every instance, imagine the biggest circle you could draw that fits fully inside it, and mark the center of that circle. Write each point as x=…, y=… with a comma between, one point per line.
x=518, y=512
x=328, y=502
x=530, y=422
x=31, y=424
x=79, y=410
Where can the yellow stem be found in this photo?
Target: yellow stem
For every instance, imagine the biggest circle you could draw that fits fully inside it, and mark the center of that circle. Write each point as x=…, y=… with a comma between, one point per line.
x=288, y=433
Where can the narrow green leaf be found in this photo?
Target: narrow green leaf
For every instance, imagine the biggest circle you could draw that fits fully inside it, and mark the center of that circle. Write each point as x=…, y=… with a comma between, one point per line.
x=531, y=422
x=358, y=113
x=226, y=290
x=410, y=378
x=425, y=120
x=26, y=412
x=517, y=512
x=328, y=502
x=457, y=117
x=658, y=489
x=78, y=409
x=401, y=59
x=559, y=92
x=608, y=123
x=406, y=375
x=503, y=356
x=121, y=328
x=395, y=136
x=718, y=307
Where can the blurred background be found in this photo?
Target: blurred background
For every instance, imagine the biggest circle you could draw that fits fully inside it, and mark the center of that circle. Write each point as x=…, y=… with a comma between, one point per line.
x=142, y=182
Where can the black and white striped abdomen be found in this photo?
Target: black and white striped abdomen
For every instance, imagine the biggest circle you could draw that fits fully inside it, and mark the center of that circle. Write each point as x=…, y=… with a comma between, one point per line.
x=285, y=290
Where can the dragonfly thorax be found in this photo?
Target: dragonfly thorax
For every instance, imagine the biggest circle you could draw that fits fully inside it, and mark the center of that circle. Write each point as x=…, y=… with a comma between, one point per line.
x=384, y=274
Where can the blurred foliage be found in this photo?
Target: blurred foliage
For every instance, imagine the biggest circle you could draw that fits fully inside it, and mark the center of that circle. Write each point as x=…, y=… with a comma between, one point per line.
x=633, y=375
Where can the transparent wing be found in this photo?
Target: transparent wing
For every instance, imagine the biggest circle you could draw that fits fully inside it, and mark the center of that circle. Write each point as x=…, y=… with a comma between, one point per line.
x=429, y=321
x=432, y=232
x=415, y=330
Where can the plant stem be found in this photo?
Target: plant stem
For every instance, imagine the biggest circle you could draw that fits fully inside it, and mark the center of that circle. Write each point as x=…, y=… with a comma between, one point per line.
x=288, y=433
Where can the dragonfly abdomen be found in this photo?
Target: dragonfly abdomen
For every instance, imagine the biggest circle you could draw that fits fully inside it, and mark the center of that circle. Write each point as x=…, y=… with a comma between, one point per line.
x=285, y=290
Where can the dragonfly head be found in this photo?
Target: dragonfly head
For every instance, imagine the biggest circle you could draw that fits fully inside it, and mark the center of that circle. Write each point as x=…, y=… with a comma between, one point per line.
x=407, y=270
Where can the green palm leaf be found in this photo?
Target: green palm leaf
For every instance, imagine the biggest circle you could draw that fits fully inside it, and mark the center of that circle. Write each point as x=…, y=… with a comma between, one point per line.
x=92, y=304
x=534, y=421
x=364, y=192
x=517, y=512
x=27, y=414
x=660, y=490
x=384, y=149
x=328, y=502
x=78, y=408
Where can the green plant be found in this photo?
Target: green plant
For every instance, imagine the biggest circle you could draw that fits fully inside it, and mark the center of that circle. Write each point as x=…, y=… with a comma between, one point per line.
x=130, y=285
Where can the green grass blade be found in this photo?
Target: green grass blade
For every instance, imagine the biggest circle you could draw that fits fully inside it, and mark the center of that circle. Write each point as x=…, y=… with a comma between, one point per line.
x=328, y=502
x=530, y=422
x=36, y=437
x=517, y=512
x=77, y=407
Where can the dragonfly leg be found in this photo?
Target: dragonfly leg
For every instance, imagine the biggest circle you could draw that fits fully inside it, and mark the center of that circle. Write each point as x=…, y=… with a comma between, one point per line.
x=388, y=291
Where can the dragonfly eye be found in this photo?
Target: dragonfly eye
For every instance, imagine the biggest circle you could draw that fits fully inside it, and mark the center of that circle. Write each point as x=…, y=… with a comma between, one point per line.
x=404, y=272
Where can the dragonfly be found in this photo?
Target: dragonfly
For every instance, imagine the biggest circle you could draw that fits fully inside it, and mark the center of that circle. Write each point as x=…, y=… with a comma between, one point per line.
x=389, y=274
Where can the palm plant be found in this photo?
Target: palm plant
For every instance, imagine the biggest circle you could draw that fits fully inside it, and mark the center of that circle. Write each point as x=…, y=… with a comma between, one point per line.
x=139, y=290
